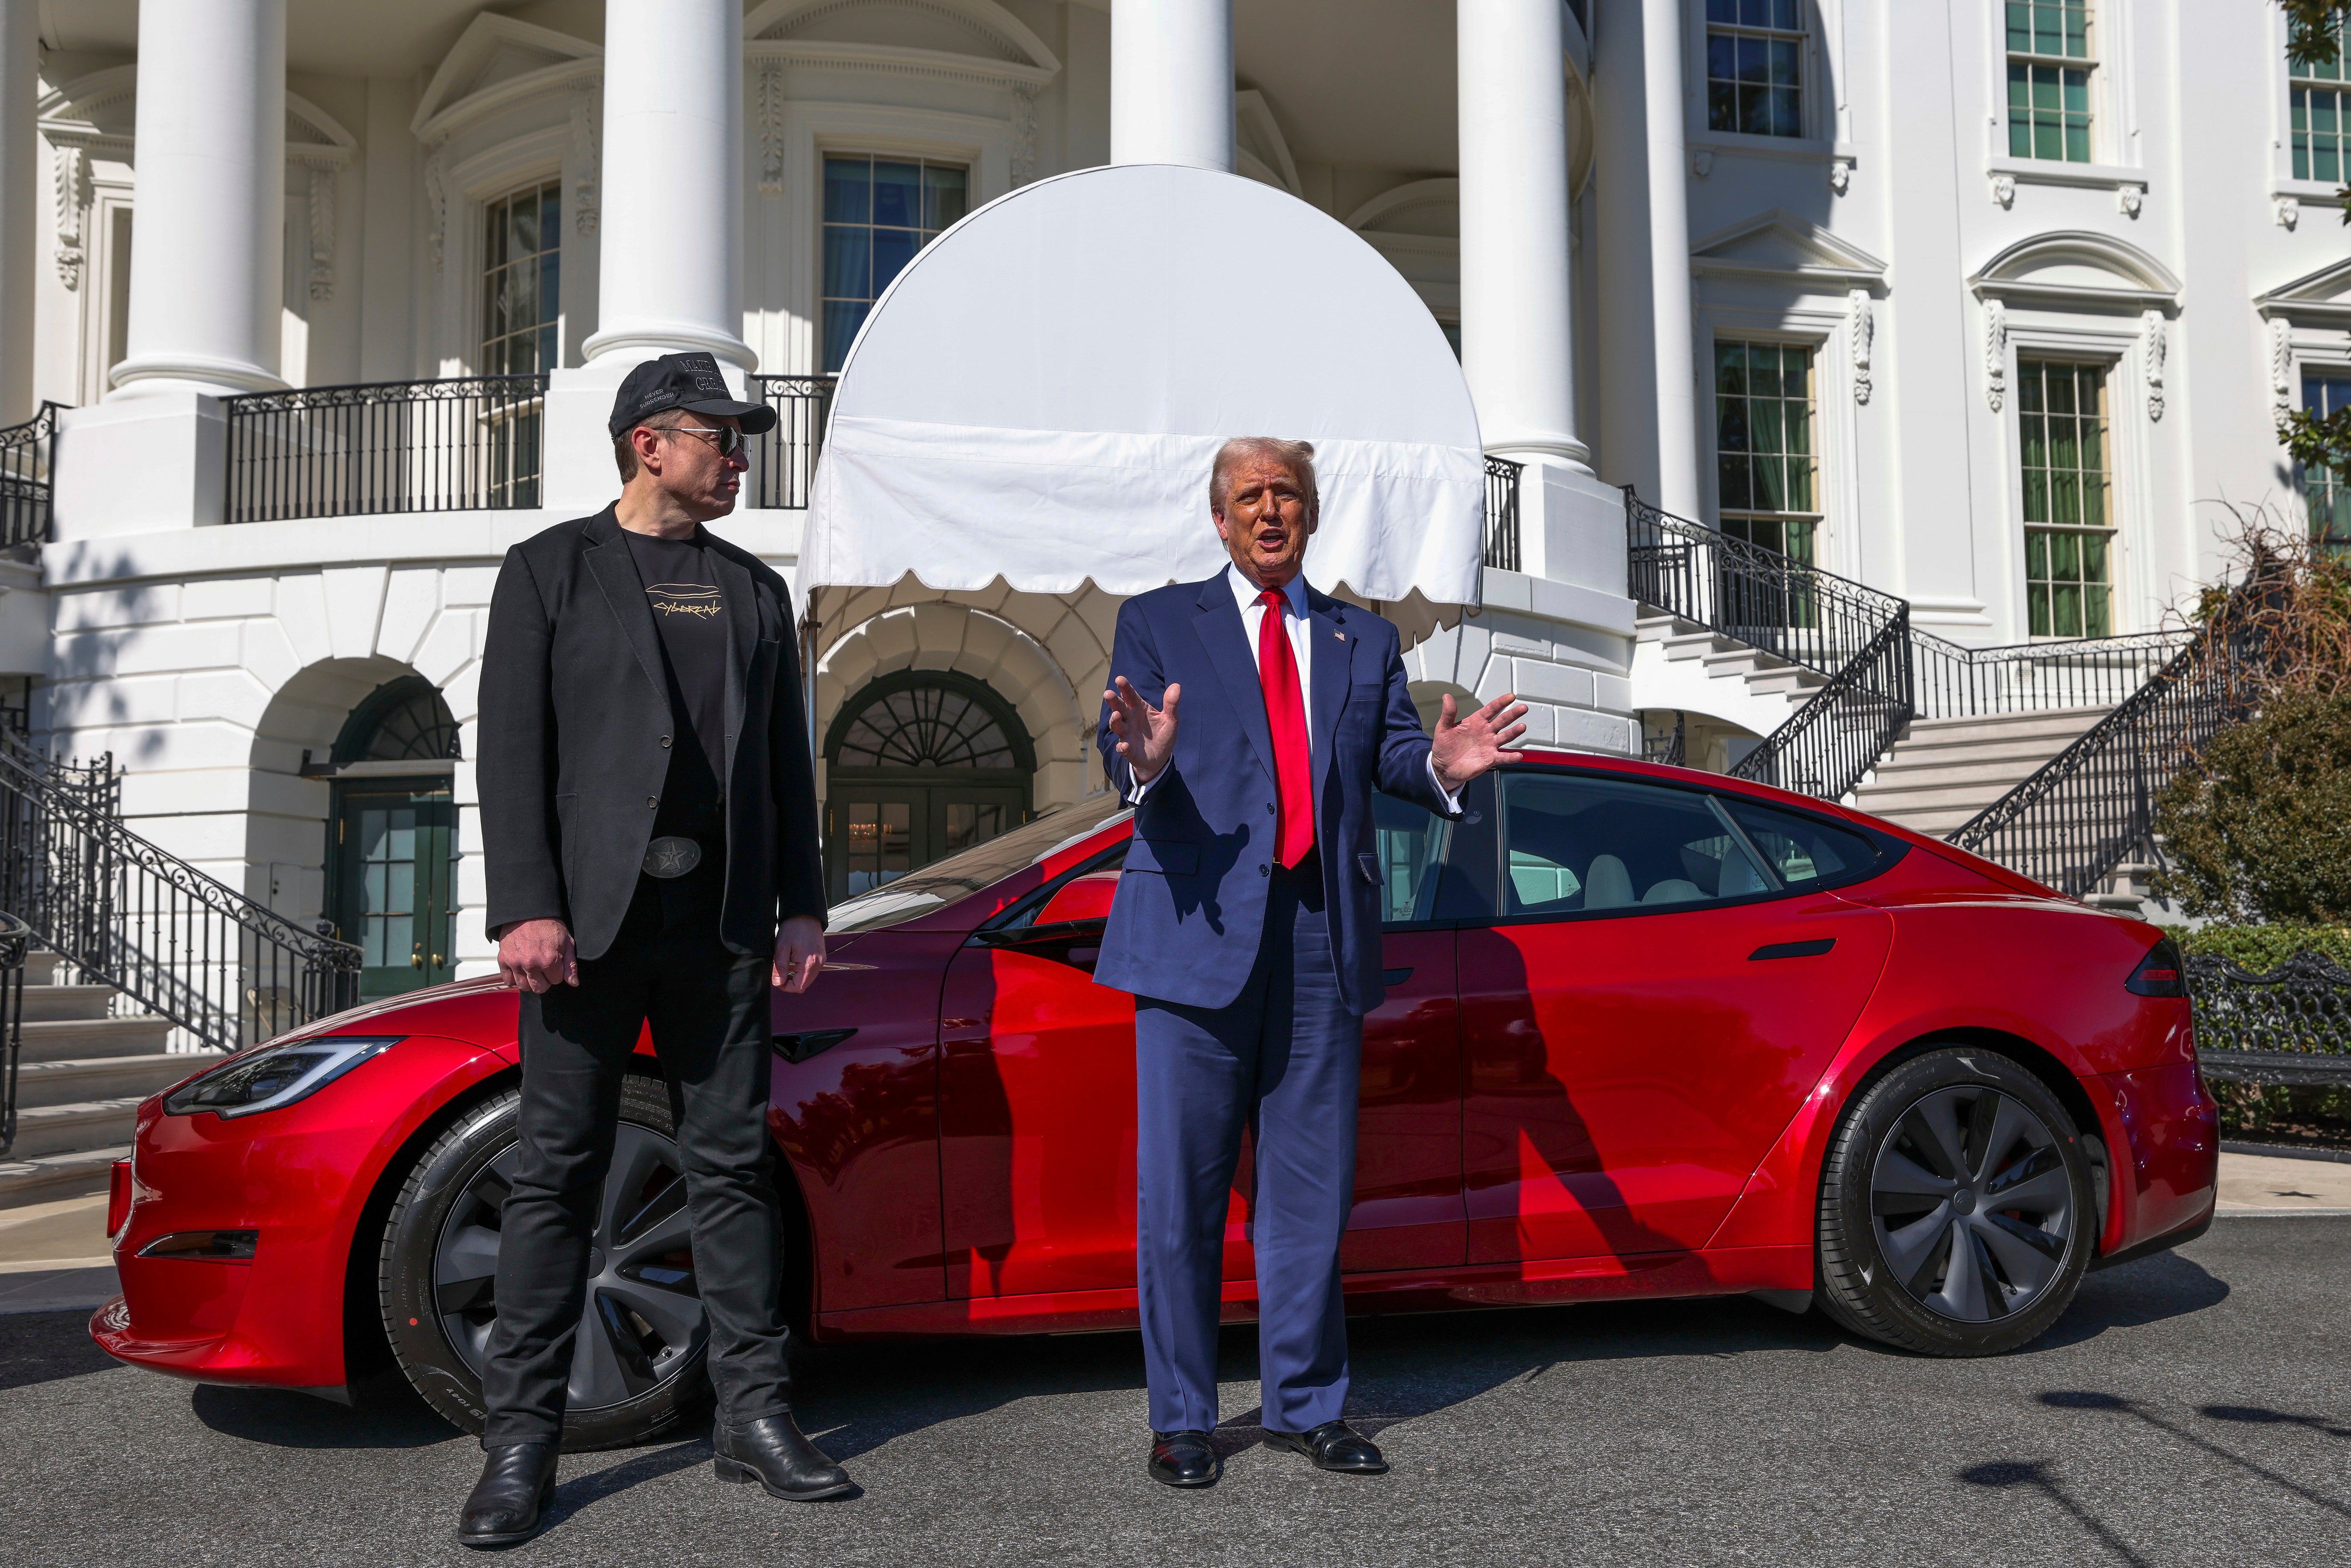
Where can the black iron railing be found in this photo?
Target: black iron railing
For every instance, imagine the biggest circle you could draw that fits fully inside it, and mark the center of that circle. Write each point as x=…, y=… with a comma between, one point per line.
x=2291, y=1026
x=1502, y=513
x=2077, y=817
x=228, y=970
x=27, y=454
x=1827, y=746
x=1855, y=636
x=2099, y=672
x=1671, y=747
x=783, y=461
x=470, y=442
x=15, y=942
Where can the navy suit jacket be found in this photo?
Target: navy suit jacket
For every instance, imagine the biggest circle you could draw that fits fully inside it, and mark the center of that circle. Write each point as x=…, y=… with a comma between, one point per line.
x=1190, y=910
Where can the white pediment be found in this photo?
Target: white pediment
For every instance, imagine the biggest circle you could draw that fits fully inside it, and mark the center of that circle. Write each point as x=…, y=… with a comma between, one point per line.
x=2321, y=299
x=496, y=61
x=99, y=113
x=2078, y=270
x=879, y=32
x=1778, y=246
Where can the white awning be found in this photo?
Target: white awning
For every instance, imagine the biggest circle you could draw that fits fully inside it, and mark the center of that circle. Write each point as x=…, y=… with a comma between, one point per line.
x=1037, y=396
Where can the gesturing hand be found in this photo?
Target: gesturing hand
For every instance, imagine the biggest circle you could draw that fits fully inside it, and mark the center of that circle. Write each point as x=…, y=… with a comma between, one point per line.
x=1147, y=734
x=1465, y=748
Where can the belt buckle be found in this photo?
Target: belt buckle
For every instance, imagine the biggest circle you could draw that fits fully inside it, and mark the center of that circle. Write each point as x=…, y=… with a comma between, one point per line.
x=672, y=857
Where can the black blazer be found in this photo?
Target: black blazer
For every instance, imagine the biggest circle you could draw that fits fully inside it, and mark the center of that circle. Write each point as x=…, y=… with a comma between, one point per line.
x=576, y=727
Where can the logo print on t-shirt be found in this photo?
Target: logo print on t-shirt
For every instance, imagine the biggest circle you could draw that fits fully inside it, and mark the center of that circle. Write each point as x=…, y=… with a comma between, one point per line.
x=696, y=599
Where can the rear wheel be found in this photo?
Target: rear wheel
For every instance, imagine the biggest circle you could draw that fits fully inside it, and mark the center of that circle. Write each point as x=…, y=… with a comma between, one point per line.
x=1957, y=1213
x=638, y=1362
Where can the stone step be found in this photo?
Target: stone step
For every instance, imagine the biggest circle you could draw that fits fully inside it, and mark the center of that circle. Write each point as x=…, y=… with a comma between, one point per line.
x=47, y=1002
x=79, y=1079
x=1906, y=756
x=45, y=1177
x=59, y=1040
x=84, y=1124
x=46, y=969
x=1970, y=796
x=1702, y=644
x=1895, y=777
x=2065, y=722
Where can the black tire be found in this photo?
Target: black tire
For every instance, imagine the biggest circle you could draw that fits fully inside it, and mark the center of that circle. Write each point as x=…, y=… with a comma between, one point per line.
x=639, y=1374
x=1957, y=1213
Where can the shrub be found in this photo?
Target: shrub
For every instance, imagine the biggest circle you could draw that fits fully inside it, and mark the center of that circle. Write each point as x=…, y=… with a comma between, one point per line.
x=2258, y=826
x=2261, y=948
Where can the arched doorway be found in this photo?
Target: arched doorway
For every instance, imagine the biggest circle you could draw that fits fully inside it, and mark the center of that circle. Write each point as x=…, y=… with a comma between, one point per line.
x=392, y=839
x=919, y=764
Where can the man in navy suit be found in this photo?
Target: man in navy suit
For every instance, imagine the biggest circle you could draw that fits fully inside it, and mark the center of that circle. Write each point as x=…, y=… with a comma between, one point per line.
x=1248, y=927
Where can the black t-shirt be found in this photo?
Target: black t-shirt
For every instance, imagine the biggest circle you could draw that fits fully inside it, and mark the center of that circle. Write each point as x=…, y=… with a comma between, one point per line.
x=681, y=587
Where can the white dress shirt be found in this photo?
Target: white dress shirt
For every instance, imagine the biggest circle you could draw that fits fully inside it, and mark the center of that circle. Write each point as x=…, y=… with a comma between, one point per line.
x=1299, y=624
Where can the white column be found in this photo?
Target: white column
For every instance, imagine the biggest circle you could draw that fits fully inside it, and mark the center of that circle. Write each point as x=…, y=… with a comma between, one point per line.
x=208, y=269
x=20, y=184
x=670, y=232
x=1516, y=329
x=1171, y=82
x=1661, y=27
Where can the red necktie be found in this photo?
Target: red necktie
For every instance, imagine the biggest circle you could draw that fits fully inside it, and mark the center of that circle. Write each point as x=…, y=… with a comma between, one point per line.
x=1285, y=713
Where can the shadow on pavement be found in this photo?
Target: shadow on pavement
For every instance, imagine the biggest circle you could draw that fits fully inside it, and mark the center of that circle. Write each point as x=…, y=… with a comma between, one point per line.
x=42, y=1347
x=388, y=1414
x=2034, y=1473
x=2115, y=1404
x=2166, y=1285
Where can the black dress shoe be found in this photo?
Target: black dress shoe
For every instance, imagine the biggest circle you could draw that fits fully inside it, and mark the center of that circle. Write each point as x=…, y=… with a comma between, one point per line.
x=1184, y=1459
x=1333, y=1446
x=518, y=1483
x=773, y=1452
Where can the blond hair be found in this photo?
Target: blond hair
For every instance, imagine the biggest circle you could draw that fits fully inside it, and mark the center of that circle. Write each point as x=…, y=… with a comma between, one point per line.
x=1298, y=456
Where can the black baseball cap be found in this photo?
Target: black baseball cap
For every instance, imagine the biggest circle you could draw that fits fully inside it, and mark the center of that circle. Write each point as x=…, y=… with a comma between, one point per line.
x=690, y=382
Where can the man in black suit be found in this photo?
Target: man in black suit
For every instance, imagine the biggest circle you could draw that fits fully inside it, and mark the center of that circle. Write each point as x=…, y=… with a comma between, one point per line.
x=648, y=814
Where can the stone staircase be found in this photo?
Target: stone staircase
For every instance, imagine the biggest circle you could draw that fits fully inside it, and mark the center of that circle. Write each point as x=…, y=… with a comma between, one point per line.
x=1945, y=770
x=82, y=1073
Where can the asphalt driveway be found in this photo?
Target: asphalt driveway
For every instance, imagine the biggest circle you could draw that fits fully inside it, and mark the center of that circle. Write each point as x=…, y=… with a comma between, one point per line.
x=2194, y=1407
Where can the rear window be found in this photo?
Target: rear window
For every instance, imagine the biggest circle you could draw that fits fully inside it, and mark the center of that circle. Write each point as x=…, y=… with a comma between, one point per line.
x=943, y=882
x=1806, y=850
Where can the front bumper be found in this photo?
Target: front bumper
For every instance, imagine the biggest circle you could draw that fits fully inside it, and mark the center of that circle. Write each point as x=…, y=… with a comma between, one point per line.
x=301, y=1177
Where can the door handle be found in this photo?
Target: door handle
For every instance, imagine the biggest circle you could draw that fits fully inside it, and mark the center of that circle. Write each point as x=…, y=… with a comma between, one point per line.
x=1793, y=949
x=1395, y=976
x=810, y=1042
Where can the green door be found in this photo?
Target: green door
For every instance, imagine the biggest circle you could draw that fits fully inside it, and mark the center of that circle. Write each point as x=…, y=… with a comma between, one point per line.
x=392, y=856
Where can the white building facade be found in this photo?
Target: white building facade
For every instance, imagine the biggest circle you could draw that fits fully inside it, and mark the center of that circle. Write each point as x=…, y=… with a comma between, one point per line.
x=1990, y=306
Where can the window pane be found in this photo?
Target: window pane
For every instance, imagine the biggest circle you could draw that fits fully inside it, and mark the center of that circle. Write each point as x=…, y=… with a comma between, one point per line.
x=848, y=184
x=1767, y=472
x=1802, y=848
x=897, y=194
x=892, y=249
x=1577, y=844
x=848, y=273
x=943, y=198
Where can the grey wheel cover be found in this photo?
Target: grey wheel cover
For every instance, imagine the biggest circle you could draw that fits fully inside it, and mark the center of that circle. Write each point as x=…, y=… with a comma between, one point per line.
x=1971, y=1204
x=642, y=1322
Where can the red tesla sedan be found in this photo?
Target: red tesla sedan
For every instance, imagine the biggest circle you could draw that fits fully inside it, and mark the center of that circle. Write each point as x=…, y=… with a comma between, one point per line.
x=1649, y=1032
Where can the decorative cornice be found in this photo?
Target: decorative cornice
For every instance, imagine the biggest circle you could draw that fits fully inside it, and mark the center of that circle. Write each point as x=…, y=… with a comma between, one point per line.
x=773, y=20
x=896, y=61
x=2140, y=282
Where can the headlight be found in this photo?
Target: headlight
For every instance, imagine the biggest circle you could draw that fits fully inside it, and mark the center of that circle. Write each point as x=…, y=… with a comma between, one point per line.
x=276, y=1075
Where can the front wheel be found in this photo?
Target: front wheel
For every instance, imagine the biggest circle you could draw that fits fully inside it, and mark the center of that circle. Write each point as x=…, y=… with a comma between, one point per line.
x=638, y=1366
x=1957, y=1213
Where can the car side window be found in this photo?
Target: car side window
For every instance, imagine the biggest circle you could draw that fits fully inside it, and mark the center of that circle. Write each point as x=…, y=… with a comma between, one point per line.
x=1409, y=844
x=1576, y=844
x=1803, y=851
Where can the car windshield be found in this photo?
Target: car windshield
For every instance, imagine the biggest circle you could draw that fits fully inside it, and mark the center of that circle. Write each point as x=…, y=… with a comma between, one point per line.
x=943, y=882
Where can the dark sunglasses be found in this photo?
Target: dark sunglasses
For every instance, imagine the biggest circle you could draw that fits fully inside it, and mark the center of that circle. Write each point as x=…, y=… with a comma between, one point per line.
x=729, y=439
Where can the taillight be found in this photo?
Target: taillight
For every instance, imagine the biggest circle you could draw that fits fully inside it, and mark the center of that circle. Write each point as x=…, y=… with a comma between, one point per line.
x=2160, y=973
x=118, y=1199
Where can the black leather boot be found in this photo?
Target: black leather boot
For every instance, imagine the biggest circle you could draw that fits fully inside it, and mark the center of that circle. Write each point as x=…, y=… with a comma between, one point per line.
x=773, y=1452
x=518, y=1483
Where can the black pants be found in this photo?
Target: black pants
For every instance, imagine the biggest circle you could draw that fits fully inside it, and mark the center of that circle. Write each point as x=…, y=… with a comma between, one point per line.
x=709, y=1011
